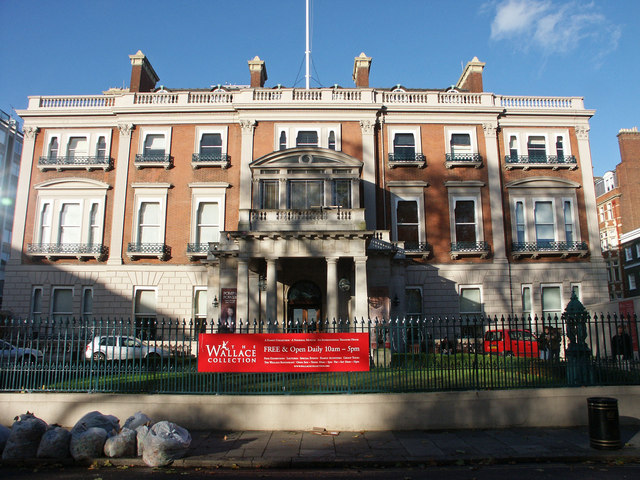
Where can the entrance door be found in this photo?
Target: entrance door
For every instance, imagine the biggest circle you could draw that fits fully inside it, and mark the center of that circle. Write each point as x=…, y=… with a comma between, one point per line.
x=304, y=308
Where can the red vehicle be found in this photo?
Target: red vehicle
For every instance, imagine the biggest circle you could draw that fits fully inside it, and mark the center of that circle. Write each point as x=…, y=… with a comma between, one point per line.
x=511, y=342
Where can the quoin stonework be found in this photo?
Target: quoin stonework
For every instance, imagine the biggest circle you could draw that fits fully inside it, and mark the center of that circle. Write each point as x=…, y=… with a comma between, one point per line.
x=243, y=202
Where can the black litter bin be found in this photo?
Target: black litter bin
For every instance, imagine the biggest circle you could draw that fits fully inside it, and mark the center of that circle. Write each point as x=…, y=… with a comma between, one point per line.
x=604, y=424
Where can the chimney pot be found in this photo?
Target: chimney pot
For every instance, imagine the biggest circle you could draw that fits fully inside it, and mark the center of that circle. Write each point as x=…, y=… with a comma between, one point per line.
x=143, y=76
x=361, y=67
x=258, y=71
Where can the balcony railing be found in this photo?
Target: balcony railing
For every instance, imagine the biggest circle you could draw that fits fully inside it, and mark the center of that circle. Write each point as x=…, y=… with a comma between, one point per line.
x=197, y=250
x=463, y=160
x=407, y=160
x=210, y=160
x=315, y=219
x=74, y=161
x=78, y=250
x=541, y=161
x=331, y=96
x=536, y=249
x=459, y=249
x=153, y=160
x=159, y=250
x=416, y=248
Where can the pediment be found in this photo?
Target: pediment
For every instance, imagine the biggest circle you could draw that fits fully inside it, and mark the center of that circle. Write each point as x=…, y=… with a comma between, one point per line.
x=306, y=158
x=72, y=183
x=542, y=182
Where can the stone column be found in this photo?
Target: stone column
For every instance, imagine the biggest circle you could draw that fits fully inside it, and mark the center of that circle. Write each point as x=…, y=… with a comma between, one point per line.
x=22, y=195
x=369, y=171
x=361, y=311
x=495, y=193
x=242, y=298
x=586, y=167
x=332, y=288
x=120, y=194
x=272, y=291
x=246, y=157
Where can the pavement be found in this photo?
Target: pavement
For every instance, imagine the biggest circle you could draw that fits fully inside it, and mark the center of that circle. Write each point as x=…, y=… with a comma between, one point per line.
x=327, y=449
x=330, y=449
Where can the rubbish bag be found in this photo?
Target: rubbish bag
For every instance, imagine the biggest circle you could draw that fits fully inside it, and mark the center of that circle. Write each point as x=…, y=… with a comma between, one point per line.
x=4, y=436
x=165, y=443
x=54, y=443
x=141, y=433
x=24, y=438
x=88, y=445
x=122, y=444
x=108, y=423
x=136, y=420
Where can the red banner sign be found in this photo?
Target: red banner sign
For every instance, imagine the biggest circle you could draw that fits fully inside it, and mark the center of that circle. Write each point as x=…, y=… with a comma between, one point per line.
x=283, y=352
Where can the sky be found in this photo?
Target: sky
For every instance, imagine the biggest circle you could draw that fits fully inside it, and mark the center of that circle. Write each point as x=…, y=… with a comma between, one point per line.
x=578, y=48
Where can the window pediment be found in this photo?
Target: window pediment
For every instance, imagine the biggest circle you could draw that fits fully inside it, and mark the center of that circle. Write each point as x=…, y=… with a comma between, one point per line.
x=542, y=182
x=72, y=184
x=305, y=158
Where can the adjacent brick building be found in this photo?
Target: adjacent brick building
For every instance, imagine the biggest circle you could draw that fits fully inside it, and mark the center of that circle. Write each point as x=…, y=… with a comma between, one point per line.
x=295, y=204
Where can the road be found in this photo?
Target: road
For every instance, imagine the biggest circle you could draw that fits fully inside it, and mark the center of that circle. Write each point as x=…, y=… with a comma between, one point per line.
x=578, y=471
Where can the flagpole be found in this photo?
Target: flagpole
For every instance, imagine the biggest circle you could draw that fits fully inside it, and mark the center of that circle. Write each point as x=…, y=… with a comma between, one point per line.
x=307, y=51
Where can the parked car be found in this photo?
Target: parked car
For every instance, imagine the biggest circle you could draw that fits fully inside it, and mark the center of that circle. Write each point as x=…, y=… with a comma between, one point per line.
x=110, y=347
x=10, y=353
x=511, y=342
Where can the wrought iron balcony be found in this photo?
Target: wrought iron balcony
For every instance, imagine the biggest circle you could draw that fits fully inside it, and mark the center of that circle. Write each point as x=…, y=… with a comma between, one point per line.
x=407, y=160
x=416, y=248
x=541, y=161
x=196, y=250
x=463, y=160
x=152, y=160
x=537, y=249
x=209, y=160
x=459, y=249
x=74, y=161
x=159, y=250
x=78, y=250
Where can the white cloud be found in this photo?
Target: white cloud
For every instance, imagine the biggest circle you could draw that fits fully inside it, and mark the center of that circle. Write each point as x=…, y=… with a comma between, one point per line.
x=554, y=27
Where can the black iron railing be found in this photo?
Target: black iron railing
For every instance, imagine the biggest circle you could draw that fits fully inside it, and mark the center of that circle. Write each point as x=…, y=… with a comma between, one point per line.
x=549, y=246
x=540, y=159
x=462, y=247
x=198, y=248
x=148, y=249
x=70, y=249
x=407, y=157
x=153, y=158
x=406, y=355
x=463, y=157
x=75, y=161
x=210, y=158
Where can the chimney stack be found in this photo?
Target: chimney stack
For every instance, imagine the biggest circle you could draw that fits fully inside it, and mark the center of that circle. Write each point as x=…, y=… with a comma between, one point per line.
x=258, y=72
x=361, y=66
x=471, y=78
x=143, y=76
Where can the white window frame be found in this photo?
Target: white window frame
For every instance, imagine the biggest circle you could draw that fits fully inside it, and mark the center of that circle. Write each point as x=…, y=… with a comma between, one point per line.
x=223, y=132
x=414, y=315
x=392, y=131
x=522, y=144
x=628, y=254
x=450, y=131
x=145, y=131
x=200, y=317
x=57, y=193
x=151, y=193
x=477, y=202
x=562, y=302
x=291, y=131
x=83, y=312
x=631, y=278
x=33, y=313
x=637, y=250
x=529, y=313
x=207, y=193
x=52, y=313
x=573, y=219
x=408, y=194
x=135, y=315
x=470, y=287
x=91, y=135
